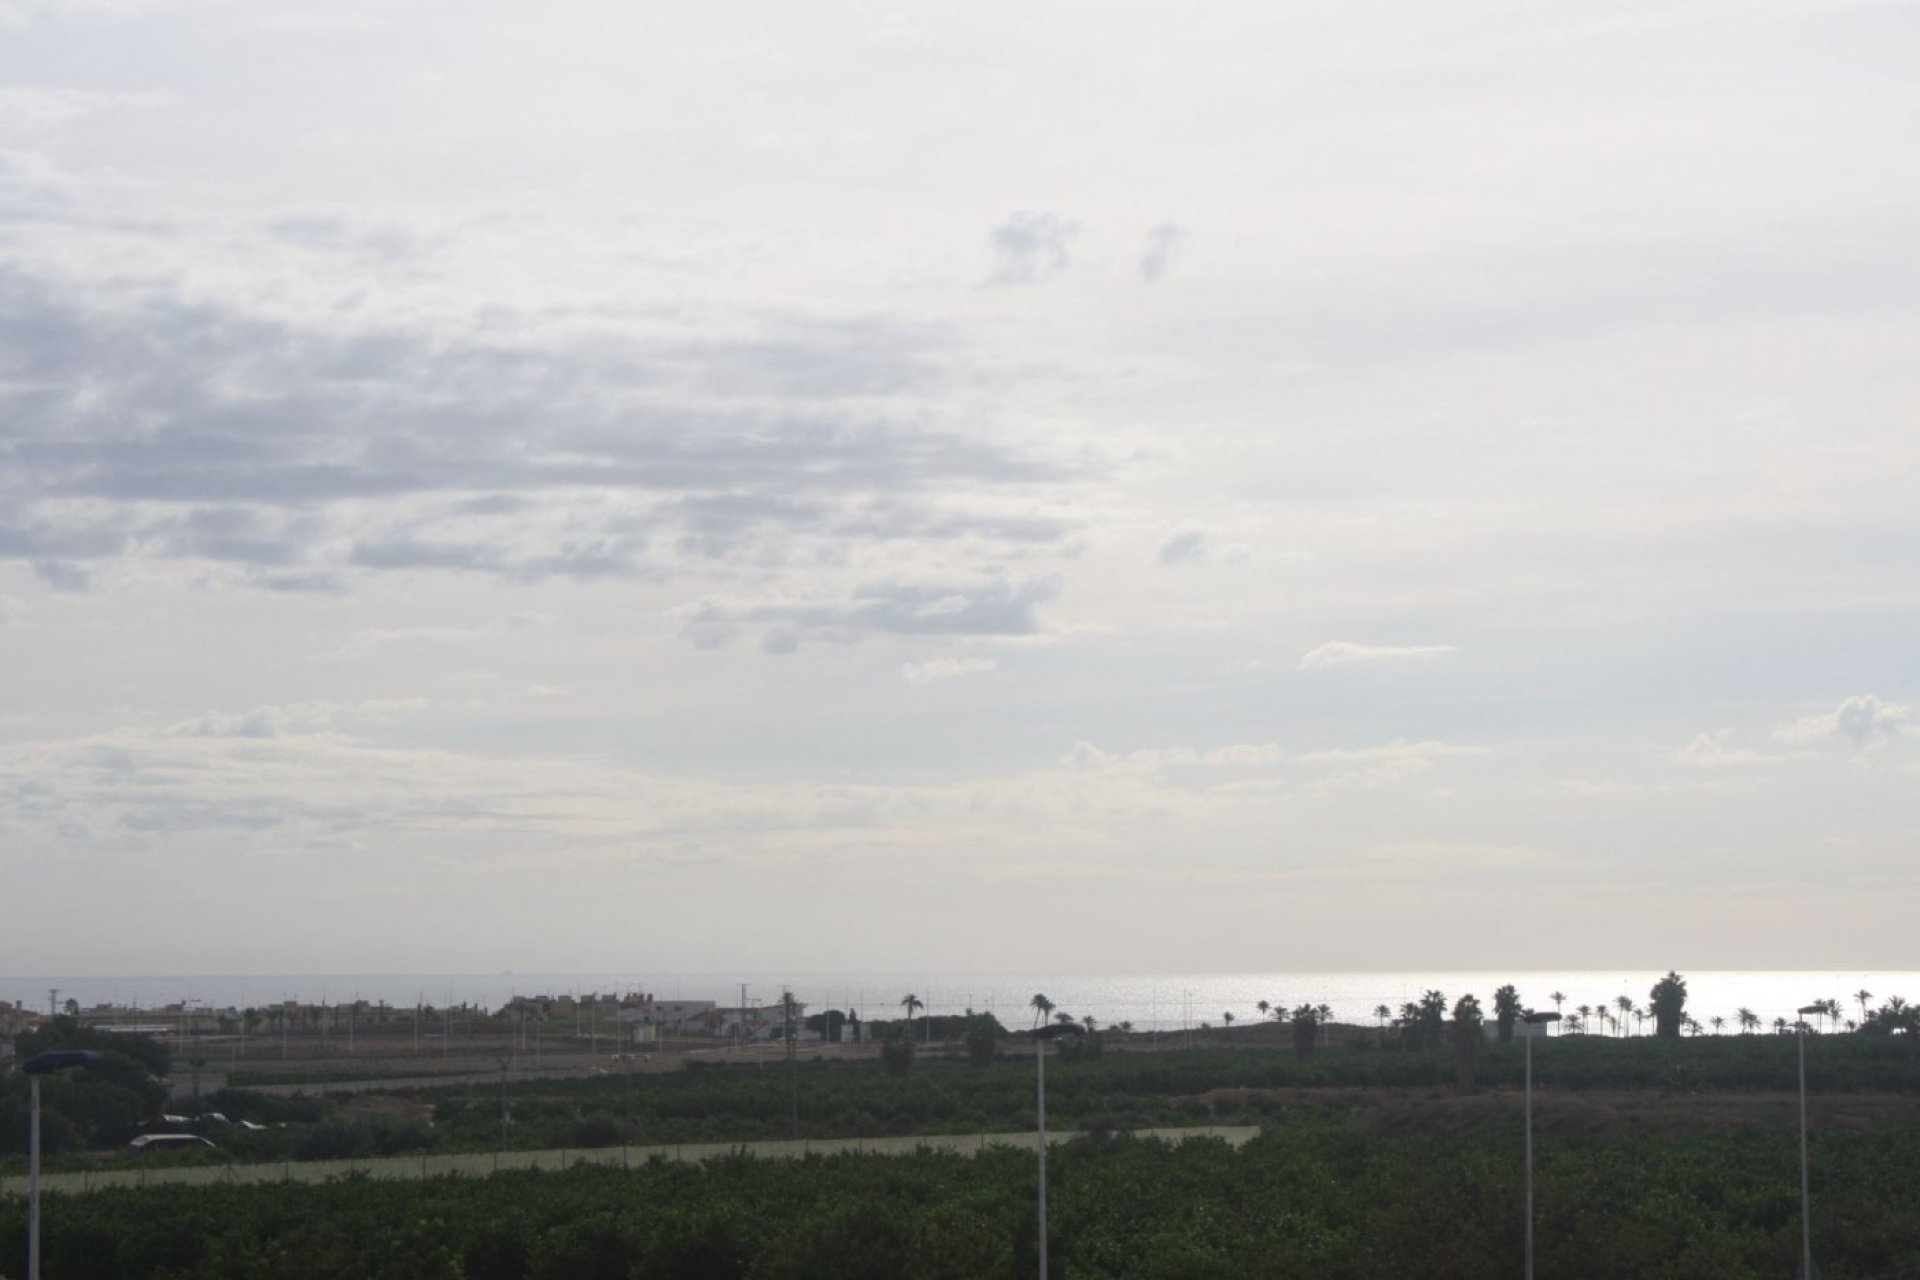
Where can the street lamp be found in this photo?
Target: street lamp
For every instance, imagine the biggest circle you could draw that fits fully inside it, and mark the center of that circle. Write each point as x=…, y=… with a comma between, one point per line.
x=1532, y=1019
x=1052, y=1031
x=1806, y=1199
x=44, y=1064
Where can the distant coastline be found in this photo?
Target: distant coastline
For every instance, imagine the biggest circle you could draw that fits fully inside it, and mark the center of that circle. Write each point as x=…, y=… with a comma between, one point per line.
x=1159, y=1002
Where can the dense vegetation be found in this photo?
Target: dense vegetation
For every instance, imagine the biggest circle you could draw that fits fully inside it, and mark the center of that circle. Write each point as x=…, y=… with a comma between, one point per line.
x=1313, y=1196
x=1086, y=1088
x=101, y=1107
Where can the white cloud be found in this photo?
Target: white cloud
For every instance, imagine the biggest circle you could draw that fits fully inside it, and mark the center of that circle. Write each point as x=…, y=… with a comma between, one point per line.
x=1424, y=857
x=944, y=669
x=1242, y=755
x=1860, y=722
x=1715, y=751
x=1383, y=766
x=1337, y=653
x=41, y=108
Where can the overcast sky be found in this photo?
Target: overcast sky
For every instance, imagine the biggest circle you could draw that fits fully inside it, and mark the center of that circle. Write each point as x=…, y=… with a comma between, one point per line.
x=1061, y=486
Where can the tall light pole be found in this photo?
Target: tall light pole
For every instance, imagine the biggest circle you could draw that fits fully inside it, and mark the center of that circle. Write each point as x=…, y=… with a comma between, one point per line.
x=44, y=1064
x=1052, y=1031
x=1806, y=1197
x=1532, y=1019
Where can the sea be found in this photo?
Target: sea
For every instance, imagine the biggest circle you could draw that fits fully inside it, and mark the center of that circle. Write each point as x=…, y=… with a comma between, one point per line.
x=1165, y=1002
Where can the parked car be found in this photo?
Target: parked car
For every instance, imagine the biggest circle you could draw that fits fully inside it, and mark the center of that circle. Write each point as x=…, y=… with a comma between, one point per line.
x=167, y=1141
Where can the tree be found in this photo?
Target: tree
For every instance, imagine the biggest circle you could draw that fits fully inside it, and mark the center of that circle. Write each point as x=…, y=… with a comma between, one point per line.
x=1863, y=995
x=1226, y=1017
x=101, y=1105
x=896, y=1050
x=1625, y=1005
x=1719, y=1023
x=1558, y=998
x=1669, y=1001
x=1430, y=1020
x=1306, y=1029
x=1506, y=1011
x=982, y=1039
x=1041, y=1007
x=1264, y=1007
x=1749, y=1020
x=911, y=1003
x=1467, y=1035
x=1585, y=1011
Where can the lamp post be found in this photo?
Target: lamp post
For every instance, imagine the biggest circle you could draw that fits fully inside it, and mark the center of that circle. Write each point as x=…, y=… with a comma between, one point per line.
x=44, y=1064
x=1532, y=1019
x=1052, y=1031
x=1806, y=1198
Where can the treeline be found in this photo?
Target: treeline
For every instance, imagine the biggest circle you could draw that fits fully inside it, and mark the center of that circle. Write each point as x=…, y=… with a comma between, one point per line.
x=1307, y=1198
x=104, y=1106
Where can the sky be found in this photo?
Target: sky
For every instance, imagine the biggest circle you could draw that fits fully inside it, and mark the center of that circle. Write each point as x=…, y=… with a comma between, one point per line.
x=874, y=487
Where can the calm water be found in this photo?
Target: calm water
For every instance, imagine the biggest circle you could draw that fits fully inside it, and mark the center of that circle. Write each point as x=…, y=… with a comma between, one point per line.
x=1164, y=1002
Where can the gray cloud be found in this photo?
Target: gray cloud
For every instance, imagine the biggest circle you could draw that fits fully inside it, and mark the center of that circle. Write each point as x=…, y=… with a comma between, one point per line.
x=62, y=576
x=1030, y=246
x=1183, y=547
x=1162, y=247
x=133, y=423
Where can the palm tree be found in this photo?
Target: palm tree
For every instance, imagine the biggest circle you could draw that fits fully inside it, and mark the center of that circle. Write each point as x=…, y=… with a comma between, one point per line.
x=1585, y=1011
x=1558, y=998
x=1718, y=1023
x=1325, y=1012
x=911, y=1003
x=1226, y=1017
x=1749, y=1020
x=1264, y=1007
x=1064, y=1018
x=1124, y=1028
x=1092, y=1024
x=1863, y=995
x=1041, y=1007
x=1779, y=1026
x=1625, y=1005
x=1382, y=1013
